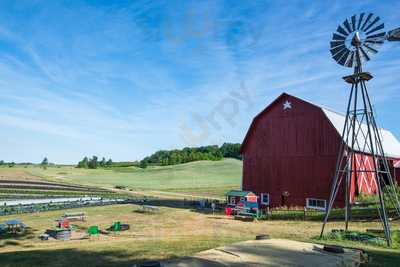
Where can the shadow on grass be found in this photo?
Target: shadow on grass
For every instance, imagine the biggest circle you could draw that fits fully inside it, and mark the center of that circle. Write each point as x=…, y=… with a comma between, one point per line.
x=9, y=239
x=70, y=257
x=181, y=204
x=382, y=258
x=377, y=256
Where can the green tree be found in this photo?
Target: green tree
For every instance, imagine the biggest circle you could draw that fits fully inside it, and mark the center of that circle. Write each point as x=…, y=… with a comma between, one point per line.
x=84, y=163
x=143, y=164
x=102, y=163
x=45, y=163
x=93, y=163
x=109, y=163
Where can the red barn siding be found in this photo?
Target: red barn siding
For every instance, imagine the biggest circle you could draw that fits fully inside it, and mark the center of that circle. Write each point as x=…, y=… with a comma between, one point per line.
x=396, y=171
x=290, y=150
x=366, y=177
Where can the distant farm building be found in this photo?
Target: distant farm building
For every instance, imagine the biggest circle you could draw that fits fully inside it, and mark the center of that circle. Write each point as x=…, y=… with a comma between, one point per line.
x=290, y=152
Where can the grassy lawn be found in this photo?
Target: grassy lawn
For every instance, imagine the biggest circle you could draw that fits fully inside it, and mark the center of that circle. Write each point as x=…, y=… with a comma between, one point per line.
x=190, y=178
x=170, y=233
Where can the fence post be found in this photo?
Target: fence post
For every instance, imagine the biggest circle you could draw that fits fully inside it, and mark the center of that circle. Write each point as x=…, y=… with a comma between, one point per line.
x=305, y=213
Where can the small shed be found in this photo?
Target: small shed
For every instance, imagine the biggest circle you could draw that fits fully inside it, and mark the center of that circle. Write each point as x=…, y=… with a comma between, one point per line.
x=233, y=197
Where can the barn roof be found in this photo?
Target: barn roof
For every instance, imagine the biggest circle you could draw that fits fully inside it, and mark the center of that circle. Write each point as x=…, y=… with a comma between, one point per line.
x=390, y=144
x=239, y=193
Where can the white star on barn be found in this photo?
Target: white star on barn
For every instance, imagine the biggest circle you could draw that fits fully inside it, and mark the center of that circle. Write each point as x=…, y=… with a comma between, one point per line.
x=287, y=105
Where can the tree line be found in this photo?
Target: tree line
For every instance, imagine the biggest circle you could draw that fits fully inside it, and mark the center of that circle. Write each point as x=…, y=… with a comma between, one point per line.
x=44, y=163
x=94, y=163
x=189, y=154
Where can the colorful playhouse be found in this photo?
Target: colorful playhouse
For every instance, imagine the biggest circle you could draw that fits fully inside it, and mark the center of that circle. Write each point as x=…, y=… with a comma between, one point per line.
x=242, y=204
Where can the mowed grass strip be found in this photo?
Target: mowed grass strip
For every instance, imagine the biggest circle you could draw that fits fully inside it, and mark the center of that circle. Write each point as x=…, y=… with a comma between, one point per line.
x=212, y=178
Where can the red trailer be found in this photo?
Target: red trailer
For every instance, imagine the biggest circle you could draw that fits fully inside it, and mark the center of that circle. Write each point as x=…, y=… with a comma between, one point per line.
x=290, y=152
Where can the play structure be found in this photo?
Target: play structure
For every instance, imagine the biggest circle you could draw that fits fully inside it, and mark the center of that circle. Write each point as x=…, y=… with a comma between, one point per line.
x=242, y=205
x=64, y=230
x=12, y=227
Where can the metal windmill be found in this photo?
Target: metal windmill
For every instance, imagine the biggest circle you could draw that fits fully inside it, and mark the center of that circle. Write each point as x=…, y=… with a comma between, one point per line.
x=354, y=41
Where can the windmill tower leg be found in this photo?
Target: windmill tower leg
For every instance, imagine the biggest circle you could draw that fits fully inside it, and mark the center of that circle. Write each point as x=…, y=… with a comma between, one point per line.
x=338, y=176
x=378, y=177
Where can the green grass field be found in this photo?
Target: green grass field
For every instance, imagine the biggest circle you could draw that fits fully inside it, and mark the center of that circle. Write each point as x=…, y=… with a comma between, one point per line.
x=205, y=178
x=171, y=232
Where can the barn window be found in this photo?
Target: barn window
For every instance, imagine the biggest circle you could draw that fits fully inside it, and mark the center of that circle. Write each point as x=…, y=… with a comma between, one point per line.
x=232, y=200
x=314, y=203
x=265, y=198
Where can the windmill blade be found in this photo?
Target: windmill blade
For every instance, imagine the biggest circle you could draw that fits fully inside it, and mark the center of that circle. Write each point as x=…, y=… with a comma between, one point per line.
x=380, y=27
x=353, y=23
x=364, y=54
x=393, y=35
x=339, y=55
x=338, y=49
x=370, y=49
x=374, y=41
x=360, y=20
x=347, y=25
x=342, y=31
x=377, y=36
x=371, y=24
x=336, y=43
x=366, y=20
x=343, y=59
x=338, y=37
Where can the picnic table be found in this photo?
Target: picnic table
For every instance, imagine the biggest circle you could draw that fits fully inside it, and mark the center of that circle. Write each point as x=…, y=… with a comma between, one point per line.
x=79, y=216
x=14, y=226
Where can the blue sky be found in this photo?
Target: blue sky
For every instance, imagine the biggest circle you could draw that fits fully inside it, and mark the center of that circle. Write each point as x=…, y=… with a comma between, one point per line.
x=123, y=79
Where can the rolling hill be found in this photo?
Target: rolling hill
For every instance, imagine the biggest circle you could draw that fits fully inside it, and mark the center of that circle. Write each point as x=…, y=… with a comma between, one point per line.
x=205, y=178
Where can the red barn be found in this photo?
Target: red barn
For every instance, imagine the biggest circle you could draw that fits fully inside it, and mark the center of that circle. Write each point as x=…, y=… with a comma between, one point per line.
x=290, y=152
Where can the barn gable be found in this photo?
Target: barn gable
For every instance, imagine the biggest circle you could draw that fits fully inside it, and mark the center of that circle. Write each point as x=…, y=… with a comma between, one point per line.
x=390, y=144
x=299, y=108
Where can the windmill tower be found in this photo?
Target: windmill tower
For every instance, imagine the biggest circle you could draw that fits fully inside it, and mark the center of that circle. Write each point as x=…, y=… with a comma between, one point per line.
x=354, y=41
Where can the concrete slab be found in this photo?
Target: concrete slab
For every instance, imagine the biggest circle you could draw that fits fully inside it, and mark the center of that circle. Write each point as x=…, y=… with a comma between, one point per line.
x=273, y=252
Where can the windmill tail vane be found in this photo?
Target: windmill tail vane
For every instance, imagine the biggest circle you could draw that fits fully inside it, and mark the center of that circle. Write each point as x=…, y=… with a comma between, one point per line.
x=354, y=42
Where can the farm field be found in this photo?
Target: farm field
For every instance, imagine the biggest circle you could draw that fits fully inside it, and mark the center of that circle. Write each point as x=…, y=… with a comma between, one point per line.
x=17, y=183
x=170, y=233
x=201, y=178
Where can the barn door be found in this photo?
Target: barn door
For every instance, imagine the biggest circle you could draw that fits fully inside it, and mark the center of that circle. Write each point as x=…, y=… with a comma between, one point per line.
x=284, y=198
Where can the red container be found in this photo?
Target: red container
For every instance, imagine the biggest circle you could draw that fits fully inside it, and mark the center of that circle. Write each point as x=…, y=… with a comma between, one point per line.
x=228, y=211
